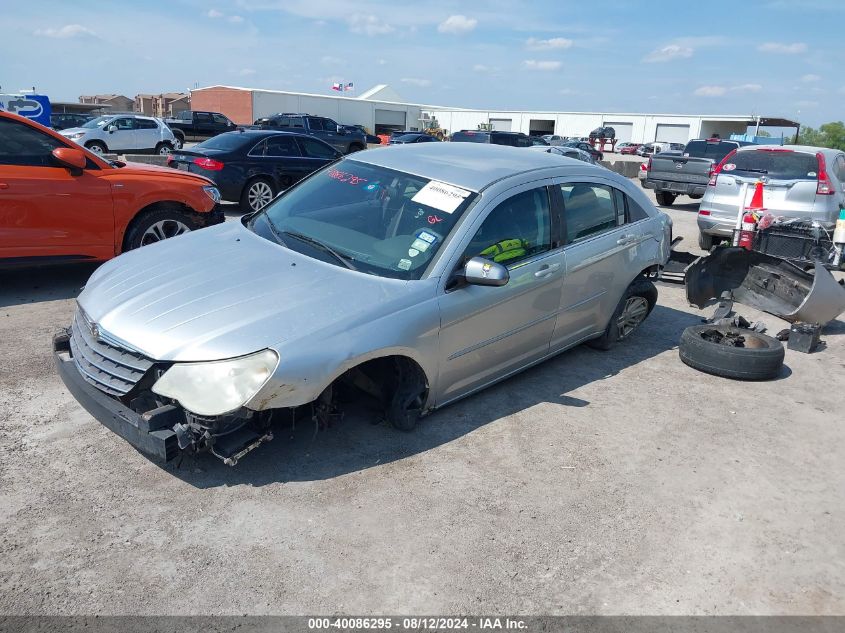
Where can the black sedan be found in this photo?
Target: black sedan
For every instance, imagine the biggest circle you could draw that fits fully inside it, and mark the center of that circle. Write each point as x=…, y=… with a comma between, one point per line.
x=412, y=137
x=252, y=166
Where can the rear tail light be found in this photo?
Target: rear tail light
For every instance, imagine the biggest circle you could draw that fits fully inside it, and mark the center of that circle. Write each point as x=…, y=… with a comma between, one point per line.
x=715, y=171
x=703, y=212
x=169, y=158
x=823, y=188
x=646, y=166
x=208, y=163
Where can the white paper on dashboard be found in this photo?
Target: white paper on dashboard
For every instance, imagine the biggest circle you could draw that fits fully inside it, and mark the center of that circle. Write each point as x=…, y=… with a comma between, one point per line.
x=441, y=196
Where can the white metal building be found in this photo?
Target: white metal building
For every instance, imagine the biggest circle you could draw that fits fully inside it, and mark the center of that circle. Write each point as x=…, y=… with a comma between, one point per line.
x=638, y=128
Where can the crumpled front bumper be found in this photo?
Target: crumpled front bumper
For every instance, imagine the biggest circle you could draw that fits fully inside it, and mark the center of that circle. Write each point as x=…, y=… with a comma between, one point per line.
x=148, y=433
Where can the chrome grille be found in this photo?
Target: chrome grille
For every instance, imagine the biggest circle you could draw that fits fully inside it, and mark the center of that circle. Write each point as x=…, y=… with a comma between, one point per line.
x=106, y=365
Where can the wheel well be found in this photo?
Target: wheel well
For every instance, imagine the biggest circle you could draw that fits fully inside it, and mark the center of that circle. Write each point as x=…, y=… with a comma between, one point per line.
x=179, y=134
x=380, y=377
x=155, y=206
x=96, y=141
x=252, y=179
x=652, y=272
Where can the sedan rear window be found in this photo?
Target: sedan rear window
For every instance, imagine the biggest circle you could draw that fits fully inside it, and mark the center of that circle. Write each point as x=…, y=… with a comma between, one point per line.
x=225, y=142
x=776, y=164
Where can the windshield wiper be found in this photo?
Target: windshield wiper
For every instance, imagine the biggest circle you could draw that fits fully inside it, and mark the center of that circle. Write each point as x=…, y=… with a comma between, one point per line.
x=753, y=171
x=343, y=259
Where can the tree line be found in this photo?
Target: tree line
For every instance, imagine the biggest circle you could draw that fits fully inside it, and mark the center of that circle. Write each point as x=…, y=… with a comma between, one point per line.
x=827, y=135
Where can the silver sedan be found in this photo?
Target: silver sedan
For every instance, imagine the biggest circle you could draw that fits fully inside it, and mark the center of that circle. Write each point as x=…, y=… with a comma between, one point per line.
x=412, y=276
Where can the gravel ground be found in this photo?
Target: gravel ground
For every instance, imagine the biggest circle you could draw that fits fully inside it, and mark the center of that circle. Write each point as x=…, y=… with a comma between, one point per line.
x=597, y=483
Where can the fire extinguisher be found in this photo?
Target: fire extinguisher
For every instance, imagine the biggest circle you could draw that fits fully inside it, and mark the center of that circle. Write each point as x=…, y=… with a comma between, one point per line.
x=746, y=232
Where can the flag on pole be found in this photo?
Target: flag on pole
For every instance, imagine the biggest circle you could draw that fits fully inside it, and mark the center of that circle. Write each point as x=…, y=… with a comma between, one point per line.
x=337, y=87
x=348, y=86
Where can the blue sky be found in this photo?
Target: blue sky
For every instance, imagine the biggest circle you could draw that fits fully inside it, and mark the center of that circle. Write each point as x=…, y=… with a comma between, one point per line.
x=774, y=57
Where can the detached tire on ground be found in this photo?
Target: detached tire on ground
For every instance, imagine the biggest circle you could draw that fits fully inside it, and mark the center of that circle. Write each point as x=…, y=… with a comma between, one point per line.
x=156, y=225
x=760, y=359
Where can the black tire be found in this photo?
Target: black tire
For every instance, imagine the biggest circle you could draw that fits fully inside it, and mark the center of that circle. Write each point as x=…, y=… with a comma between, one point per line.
x=664, y=198
x=705, y=242
x=254, y=191
x=156, y=225
x=761, y=359
x=355, y=147
x=619, y=329
x=163, y=149
x=98, y=147
x=404, y=407
x=180, y=140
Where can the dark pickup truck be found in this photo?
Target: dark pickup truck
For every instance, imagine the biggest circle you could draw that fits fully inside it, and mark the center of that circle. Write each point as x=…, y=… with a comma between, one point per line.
x=687, y=173
x=341, y=137
x=196, y=125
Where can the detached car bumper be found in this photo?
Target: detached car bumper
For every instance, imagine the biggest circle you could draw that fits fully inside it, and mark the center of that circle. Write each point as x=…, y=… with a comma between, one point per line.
x=682, y=188
x=144, y=432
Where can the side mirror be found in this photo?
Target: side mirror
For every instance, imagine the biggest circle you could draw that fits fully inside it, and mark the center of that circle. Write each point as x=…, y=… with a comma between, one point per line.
x=73, y=159
x=341, y=130
x=483, y=272
x=111, y=129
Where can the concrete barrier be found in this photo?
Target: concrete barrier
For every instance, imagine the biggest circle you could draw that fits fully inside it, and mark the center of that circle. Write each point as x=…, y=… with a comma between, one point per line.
x=149, y=159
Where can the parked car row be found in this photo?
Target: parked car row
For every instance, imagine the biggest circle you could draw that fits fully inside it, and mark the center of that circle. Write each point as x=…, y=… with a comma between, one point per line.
x=126, y=133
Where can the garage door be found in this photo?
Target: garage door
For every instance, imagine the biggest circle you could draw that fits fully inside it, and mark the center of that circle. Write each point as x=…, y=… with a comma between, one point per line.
x=624, y=131
x=501, y=125
x=393, y=118
x=672, y=133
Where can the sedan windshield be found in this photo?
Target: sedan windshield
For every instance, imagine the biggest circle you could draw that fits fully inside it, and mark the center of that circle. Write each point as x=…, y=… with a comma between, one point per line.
x=100, y=121
x=367, y=218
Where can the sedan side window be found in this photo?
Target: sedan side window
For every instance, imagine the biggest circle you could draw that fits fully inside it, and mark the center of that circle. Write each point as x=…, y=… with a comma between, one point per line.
x=21, y=144
x=281, y=146
x=258, y=150
x=316, y=149
x=589, y=209
x=516, y=229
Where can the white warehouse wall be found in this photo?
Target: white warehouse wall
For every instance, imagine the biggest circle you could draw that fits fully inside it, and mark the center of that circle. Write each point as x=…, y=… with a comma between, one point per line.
x=347, y=111
x=644, y=126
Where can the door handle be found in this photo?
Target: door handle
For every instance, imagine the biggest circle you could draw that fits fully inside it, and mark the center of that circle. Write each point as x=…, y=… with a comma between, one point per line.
x=4, y=185
x=546, y=270
x=626, y=239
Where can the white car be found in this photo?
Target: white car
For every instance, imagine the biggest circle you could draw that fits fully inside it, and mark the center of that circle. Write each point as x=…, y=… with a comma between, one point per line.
x=127, y=133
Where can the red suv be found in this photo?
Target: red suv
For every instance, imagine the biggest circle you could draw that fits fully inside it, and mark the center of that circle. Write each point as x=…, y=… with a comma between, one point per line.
x=60, y=202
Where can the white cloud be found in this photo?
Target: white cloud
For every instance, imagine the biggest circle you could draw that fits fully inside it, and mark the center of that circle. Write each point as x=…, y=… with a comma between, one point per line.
x=807, y=104
x=67, y=31
x=245, y=72
x=780, y=47
x=550, y=44
x=214, y=13
x=381, y=62
x=668, y=53
x=457, y=24
x=235, y=19
x=810, y=78
x=422, y=83
x=534, y=64
x=368, y=25
x=747, y=88
x=480, y=68
x=710, y=91
x=568, y=92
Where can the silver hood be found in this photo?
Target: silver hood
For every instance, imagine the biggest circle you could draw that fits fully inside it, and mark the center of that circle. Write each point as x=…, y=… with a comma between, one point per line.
x=223, y=292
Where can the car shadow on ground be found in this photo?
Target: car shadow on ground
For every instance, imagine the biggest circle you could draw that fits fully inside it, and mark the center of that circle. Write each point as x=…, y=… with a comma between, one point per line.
x=363, y=441
x=19, y=286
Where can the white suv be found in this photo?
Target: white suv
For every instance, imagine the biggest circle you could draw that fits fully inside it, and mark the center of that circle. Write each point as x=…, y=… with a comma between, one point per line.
x=124, y=133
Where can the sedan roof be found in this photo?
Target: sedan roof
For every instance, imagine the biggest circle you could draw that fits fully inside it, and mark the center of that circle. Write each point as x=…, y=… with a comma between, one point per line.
x=472, y=166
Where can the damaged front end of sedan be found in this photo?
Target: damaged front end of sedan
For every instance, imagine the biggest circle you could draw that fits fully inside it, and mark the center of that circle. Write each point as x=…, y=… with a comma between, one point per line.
x=165, y=409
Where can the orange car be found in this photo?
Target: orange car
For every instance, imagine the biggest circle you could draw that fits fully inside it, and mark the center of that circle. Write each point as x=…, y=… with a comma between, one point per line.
x=60, y=202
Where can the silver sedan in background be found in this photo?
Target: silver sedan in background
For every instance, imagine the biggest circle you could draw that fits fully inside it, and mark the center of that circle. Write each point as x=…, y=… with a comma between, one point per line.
x=411, y=276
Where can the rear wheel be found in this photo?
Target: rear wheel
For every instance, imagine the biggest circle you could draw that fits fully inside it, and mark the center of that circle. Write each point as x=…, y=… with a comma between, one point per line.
x=157, y=225
x=98, y=147
x=705, y=242
x=257, y=194
x=664, y=198
x=178, y=141
x=163, y=149
x=636, y=304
